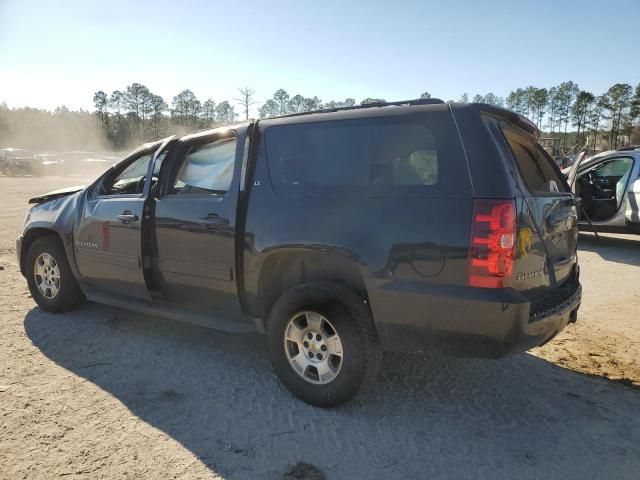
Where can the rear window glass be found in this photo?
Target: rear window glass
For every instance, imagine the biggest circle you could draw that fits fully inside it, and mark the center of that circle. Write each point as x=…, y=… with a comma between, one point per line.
x=417, y=154
x=535, y=165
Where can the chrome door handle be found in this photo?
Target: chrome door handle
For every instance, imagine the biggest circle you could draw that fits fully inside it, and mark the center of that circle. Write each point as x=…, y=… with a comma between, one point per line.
x=212, y=221
x=128, y=217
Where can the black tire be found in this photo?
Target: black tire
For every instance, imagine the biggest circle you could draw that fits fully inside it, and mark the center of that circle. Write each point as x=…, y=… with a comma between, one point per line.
x=69, y=295
x=351, y=319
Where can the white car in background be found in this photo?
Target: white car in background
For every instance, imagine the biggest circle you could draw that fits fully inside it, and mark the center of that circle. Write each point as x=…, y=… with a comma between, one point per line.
x=608, y=185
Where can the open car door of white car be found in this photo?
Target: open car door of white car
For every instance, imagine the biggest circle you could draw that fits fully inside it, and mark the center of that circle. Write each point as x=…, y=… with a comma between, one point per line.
x=573, y=173
x=632, y=212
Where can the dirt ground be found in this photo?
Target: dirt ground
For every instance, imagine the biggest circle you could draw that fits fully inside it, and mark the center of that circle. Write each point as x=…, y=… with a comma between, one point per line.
x=103, y=393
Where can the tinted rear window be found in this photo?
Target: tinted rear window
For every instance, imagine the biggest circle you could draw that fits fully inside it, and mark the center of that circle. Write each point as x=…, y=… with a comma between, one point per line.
x=535, y=165
x=409, y=155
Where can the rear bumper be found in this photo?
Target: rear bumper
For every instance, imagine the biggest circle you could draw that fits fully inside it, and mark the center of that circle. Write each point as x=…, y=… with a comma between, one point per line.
x=416, y=317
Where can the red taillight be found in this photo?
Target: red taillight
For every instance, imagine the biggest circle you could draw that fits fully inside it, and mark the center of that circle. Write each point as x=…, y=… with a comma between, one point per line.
x=493, y=237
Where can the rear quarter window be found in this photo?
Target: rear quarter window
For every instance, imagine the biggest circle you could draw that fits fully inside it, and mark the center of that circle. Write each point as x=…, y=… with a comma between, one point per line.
x=416, y=155
x=535, y=166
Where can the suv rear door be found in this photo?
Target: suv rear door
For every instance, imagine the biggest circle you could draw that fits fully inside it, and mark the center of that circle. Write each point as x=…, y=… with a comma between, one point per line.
x=547, y=212
x=195, y=224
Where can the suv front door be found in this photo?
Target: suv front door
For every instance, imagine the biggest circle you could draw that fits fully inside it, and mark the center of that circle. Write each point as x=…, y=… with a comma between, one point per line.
x=195, y=225
x=108, y=242
x=602, y=187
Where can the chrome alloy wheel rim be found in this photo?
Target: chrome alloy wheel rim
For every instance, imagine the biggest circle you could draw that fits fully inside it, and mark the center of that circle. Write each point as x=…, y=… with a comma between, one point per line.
x=47, y=275
x=313, y=347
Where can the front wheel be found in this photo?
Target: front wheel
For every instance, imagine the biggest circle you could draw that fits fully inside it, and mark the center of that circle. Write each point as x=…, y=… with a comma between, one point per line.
x=323, y=344
x=49, y=276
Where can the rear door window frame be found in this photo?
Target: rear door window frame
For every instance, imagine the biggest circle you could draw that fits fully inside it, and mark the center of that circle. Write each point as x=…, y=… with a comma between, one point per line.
x=523, y=182
x=173, y=161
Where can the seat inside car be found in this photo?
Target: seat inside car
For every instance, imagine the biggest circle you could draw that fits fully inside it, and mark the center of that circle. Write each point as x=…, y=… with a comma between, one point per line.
x=602, y=188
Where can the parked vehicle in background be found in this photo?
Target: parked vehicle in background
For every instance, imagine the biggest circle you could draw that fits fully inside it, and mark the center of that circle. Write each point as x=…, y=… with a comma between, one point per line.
x=398, y=226
x=608, y=185
x=17, y=161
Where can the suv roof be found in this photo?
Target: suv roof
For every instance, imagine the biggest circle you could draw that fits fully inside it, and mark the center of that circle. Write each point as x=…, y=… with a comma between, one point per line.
x=494, y=110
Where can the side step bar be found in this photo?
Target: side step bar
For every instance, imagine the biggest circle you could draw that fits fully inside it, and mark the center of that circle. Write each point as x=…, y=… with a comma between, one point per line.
x=228, y=325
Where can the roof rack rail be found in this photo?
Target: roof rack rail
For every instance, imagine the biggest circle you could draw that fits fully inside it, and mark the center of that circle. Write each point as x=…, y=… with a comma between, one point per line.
x=416, y=101
x=628, y=148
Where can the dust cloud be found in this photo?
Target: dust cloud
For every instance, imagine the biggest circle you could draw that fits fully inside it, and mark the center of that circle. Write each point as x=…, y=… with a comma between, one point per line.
x=63, y=142
x=43, y=131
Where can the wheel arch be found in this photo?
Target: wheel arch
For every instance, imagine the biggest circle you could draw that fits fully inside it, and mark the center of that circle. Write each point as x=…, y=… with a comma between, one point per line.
x=33, y=234
x=287, y=267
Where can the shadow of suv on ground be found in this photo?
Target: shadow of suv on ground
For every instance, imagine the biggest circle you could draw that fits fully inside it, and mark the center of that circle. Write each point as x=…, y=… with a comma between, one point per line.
x=427, y=417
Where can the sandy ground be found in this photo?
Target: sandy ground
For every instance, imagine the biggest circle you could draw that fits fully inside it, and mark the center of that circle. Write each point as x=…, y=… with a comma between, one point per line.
x=103, y=393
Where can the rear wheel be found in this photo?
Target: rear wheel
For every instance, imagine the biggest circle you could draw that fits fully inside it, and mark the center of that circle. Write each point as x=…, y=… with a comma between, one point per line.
x=323, y=343
x=51, y=282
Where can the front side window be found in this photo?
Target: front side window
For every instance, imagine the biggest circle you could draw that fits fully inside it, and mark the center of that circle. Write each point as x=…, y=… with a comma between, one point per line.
x=206, y=169
x=418, y=154
x=130, y=180
x=616, y=168
x=613, y=176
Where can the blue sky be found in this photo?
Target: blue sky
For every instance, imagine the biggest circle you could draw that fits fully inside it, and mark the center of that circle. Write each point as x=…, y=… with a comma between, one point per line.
x=60, y=52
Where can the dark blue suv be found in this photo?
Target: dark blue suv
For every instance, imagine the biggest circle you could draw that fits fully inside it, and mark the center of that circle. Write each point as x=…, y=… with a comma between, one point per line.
x=395, y=226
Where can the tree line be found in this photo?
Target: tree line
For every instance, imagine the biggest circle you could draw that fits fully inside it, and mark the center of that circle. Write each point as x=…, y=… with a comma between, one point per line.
x=134, y=114
x=613, y=117
x=614, y=114
x=564, y=111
